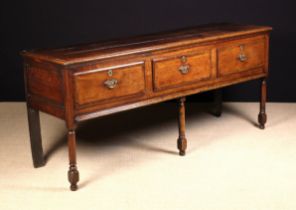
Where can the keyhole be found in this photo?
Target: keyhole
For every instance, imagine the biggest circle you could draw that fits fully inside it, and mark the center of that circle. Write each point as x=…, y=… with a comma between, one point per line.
x=110, y=73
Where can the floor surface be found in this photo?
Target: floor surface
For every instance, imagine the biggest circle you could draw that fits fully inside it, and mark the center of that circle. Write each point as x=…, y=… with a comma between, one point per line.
x=130, y=161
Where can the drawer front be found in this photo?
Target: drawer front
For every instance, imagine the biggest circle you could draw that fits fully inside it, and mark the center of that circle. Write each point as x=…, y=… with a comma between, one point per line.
x=241, y=56
x=180, y=70
x=110, y=83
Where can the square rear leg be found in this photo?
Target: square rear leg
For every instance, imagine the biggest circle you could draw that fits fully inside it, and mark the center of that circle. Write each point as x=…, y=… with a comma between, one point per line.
x=35, y=137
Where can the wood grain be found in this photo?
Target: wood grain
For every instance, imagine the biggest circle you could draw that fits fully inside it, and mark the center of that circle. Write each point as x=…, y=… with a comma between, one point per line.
x=116, y=48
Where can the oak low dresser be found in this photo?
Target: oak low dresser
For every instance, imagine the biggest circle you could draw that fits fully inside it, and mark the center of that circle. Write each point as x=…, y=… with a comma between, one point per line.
x=92, y=80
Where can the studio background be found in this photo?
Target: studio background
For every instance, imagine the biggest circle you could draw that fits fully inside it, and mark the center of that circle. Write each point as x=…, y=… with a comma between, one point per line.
x=42, y=24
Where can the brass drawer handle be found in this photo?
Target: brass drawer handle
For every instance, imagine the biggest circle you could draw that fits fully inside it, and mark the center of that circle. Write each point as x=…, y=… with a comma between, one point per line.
x=184, y=69
x=111, y=83
x=242, y=57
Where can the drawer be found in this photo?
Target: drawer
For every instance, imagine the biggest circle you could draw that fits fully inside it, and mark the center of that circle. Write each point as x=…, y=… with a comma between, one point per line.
x=182, y=69
x=241, y=56
x=109, y=83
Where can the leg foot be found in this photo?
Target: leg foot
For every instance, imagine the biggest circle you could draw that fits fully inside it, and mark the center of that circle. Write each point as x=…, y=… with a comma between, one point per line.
x=182, y=145
x=35, y=137
x=182, y=142
x=73, y=177
x=262, y=117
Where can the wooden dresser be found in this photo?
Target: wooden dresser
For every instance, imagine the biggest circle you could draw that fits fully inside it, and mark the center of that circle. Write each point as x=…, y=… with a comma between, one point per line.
x=87, y=81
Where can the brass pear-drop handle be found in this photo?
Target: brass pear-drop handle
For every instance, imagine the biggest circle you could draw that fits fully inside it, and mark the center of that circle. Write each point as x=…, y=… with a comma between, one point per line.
x=111, y=83
x=184, y=69
x=242, y=56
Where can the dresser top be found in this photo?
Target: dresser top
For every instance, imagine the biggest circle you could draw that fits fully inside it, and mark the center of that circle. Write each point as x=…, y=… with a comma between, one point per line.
x=141, y=44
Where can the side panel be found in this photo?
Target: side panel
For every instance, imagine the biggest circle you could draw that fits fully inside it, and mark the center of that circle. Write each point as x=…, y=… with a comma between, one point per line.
x=44, y=87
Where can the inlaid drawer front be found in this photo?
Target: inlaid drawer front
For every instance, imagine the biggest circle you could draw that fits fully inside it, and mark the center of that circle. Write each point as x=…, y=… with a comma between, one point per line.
x=109, y=83
x=180, y=70
x=241, y=56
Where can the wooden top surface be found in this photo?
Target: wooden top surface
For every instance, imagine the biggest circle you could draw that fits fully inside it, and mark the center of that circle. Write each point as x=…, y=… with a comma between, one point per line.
x=141, y=44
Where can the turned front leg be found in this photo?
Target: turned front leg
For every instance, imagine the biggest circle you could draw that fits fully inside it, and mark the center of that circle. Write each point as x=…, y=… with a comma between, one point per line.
x=73, y=174
x=35, y=137
x=262, y=118
x=182, y=141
